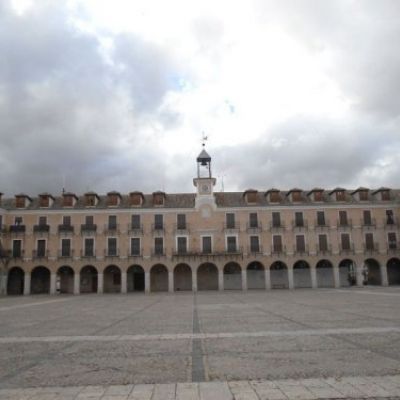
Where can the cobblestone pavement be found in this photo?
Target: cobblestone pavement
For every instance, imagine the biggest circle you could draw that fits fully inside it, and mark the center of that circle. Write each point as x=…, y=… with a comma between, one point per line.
x=251, y=340
x=386, y=387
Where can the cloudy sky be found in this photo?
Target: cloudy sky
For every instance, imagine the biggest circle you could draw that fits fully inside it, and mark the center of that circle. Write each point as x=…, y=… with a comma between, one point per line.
x=114, y=95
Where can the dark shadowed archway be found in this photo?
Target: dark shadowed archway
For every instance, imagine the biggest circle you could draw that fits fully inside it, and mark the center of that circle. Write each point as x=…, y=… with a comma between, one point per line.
x=159, y=278
x=279, y=275
x=232, y=276
x=135, y=278
x=88, y=279
x=255, y=275
x=15, y=281
x=372, y=274
x=393, y=271
x=207, y=277
x=325, y=277
x=302, y=274
x=40, y=280
x=112, y=279
x=65, y=279
x=347, y=273
x=182, y=277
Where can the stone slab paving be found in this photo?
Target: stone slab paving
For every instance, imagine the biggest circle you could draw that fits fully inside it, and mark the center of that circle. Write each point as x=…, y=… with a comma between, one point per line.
x=361, y=387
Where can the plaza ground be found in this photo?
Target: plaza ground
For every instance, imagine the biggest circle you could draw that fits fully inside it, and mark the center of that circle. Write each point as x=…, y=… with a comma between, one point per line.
x=234, y=336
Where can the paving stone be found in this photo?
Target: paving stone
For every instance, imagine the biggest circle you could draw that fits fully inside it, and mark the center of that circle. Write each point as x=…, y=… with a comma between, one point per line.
x=242, y=390
x=215, y=391
x=141, y=392
x=296, y=391
x=164, y=392
x=118, y=390
x=345, y=388
x=187, y=391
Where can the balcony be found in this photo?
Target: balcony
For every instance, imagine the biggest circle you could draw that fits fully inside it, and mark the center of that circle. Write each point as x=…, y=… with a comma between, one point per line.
x=393, y=248
x=133, y=254
x=275, y=227
x=111, y=229
x=88, y=228
x=255, y=250
x=254, y=227
x=345, y=225
x=324, y=251
x=390, y=223
x=181, y=228
x=136, y=230
x=158, y=229
x=65, y=229
x=3, y=230
x=278, y=251
x=371, y=248
x=88, y=254
x=368, y=225
x=321, y=227
x=63, y=254
x=301, y=251
x=203, y=256
x=346, y=250
x=40, y=254
x=232, y=227
x=114, y=253
x=17, y=229
x=299, y=226
x=158, y=253
x=41, y=229
x=17, y=255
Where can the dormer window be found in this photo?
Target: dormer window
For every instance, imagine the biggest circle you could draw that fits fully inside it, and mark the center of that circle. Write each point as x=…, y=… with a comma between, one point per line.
x=361, y=194
x=250, y=196
x=340, y=196
x=318, y=196
x=91, y=199
x=69, y=199
x=158, y=199
x=22, y=201
x=45, y=200
x=113, y=199
x=385, y=195
x=382, y=194
x=295, y=195
x=136, y=199
x=273, y=196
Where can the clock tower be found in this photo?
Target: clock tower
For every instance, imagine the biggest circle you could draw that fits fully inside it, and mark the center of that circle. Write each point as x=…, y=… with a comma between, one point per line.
x=204, y=182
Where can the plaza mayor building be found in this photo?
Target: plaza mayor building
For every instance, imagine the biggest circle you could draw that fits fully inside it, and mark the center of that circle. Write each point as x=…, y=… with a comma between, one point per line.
x=205, y=240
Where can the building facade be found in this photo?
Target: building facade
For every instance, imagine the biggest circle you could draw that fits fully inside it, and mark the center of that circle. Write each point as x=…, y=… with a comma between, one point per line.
x=199, y=241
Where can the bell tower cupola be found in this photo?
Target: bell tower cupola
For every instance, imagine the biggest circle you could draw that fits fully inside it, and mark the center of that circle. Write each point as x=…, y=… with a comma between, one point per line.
x=204, y=181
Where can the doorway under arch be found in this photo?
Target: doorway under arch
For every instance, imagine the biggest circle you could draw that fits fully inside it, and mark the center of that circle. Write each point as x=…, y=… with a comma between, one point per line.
x=302, y=274
x=40, y=280
x=325, y=277
x=88, y=279
x=232, y=276
x=15, y=281
x=182, y=277
x=65, y=279
x=159, y=278
x=255, y=276
x=207, y=277
x=279, y=275
x=135, y=278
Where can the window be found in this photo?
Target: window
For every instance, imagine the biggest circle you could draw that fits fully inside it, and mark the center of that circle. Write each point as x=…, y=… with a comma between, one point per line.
x=231, y=244
x=135, y=246
x=18, y=220
x=363, y=195
x=112, y=246
x=65, y=247
x=89, y=247
x=158, y=221
x=41, y=248
x=230, y=221
x=181, y=242
x=206, y=244
x=389, y=217
x=340, y=195
x=89, y=220
x=318, y=196
x=66, y=220
x=392, y=240
x=181, y=221
x=116, y=278
x=277, y=243
x=254, y=244
x=296, y=196
x=299, y=221
x=300, y=244
x=345, y=240
x=112, y=222
x=369, y=241
x=276, y=219
x=274, y=197
x=253, y=220
x=367, y=217
x=385, y=195
x=135, y=221
x=321, y=218
x=323, y=242
x=343, y=218
x=42, y=221
x=158, y=246
x=17, y=248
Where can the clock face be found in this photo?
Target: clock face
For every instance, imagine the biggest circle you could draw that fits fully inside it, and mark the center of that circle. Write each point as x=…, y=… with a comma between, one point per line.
x=205, y=188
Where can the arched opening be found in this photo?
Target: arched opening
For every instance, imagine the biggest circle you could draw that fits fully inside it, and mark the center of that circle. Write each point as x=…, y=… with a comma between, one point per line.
x=65, y=279
x=232, y=276
x=15, y=281
x=40, y=280
x=393, y=271
x=302, y=274
x=112, y=279
x=347, y=273
x=135, y=277
x=325, y=277
x=159, y=278
x=279, y=275
x=88, y=283
x=255, y=276
x=207, y=277
x=372, y=272
x=182, y=277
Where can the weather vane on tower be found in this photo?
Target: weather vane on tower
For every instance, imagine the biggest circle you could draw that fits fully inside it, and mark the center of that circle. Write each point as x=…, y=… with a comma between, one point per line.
x=204, y=139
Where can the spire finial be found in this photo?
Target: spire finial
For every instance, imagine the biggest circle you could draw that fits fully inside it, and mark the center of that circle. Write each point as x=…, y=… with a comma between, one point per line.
x=204, y=139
